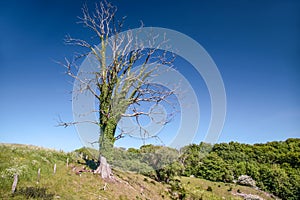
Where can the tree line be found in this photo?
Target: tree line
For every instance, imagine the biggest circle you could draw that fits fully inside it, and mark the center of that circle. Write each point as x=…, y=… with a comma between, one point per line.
x=273, y=165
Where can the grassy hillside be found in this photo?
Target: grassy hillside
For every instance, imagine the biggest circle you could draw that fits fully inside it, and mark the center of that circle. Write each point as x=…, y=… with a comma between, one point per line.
x=67, y=184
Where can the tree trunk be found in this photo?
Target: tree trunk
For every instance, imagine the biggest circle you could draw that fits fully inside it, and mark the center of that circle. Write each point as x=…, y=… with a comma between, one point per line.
x=106, y=141
x=107, y=135
x=104, y=169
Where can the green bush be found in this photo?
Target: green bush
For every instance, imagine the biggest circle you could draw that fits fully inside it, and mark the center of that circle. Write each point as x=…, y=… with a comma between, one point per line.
x=209, y=189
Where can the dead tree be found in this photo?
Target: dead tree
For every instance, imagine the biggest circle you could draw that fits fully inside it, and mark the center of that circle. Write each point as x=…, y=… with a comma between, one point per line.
x=118, y=85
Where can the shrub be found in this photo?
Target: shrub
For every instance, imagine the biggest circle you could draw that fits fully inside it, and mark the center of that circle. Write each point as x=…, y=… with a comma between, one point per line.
x=209, y=189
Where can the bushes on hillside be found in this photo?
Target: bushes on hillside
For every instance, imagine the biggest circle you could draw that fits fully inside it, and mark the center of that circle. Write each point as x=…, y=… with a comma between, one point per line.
x=274, y=165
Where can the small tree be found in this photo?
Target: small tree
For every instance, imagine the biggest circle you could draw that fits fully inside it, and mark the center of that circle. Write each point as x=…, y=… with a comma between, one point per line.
x=119, y=87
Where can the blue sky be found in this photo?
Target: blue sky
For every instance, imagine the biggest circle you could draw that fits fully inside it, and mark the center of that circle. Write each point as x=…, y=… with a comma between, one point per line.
x=255, y=44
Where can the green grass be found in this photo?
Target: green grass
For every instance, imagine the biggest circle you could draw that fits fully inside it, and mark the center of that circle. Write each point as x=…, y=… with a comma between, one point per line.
x=25, y=161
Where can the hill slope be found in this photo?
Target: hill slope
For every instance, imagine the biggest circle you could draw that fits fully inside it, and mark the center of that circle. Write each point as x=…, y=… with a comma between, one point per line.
x=68, y=183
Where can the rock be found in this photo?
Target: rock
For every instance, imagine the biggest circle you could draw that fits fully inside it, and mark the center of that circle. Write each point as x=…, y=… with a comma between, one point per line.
x=248, y=196
x=252, y=197
x=246, y=180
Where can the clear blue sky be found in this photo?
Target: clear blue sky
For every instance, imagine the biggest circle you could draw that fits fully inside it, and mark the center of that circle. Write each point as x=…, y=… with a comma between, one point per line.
x=255, y=44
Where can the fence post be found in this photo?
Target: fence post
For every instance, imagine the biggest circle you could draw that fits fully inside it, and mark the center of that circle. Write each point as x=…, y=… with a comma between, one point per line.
x=39, y=175
x=14, y=185
x=54, y=169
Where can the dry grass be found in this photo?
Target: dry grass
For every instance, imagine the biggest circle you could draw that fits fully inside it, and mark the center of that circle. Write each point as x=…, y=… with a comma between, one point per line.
x=65, y=183
x=198, y=188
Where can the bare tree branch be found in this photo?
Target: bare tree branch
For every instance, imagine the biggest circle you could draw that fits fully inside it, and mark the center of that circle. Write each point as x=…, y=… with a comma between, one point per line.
x=122, y=86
